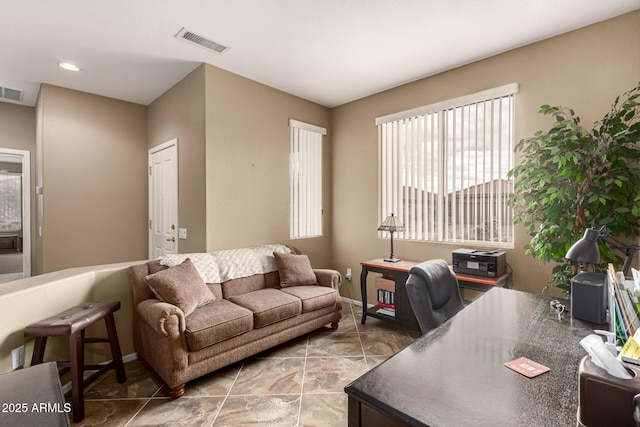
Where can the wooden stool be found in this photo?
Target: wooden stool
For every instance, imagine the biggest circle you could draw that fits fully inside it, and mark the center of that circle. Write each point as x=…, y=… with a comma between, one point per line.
x=72, y=323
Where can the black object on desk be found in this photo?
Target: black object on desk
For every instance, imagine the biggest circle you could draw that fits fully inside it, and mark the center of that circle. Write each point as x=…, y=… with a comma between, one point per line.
x=455, y=374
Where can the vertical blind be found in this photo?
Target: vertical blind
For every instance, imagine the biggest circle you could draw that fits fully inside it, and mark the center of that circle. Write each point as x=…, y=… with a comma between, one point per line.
x=10, y=202
x=305, y=179
x=443, y=169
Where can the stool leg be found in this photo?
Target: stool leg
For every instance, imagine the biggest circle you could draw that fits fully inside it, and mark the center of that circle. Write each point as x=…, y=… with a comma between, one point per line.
x=115, y=348
x=76, y=345
x=38, y=350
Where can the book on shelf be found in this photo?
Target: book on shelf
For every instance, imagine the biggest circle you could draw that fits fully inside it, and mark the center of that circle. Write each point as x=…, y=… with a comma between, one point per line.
x=386, y=297
x=623, y=306
x=383, y=305
x=386, y=292
x=386, y=311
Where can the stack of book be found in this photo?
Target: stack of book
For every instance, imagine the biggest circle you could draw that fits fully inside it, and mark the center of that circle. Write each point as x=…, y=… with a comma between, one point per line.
x=386, y=296
x=623, y=303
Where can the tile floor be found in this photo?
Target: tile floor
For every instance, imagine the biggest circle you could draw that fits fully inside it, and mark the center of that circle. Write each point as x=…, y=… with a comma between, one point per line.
x=300, y=383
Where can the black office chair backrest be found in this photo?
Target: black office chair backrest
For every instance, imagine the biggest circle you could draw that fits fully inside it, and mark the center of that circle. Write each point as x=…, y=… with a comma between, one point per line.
x=434, y=294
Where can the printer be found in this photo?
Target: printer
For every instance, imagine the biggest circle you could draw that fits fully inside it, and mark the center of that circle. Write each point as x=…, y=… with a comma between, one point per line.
x=478, y=262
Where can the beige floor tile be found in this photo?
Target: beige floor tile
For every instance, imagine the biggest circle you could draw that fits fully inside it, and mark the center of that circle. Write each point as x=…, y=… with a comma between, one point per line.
x=270, y=376
x=247, y=411
x=324, y=374
x=184, y=411
x=322, y=410
x=334, y=345
x=109, y=413
x=384, y=344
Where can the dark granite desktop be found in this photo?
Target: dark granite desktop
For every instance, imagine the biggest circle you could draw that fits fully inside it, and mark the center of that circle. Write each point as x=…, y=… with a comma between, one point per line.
x=455, y=374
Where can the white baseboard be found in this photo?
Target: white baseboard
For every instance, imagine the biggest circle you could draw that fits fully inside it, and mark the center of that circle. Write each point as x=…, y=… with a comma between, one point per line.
x=355, y=302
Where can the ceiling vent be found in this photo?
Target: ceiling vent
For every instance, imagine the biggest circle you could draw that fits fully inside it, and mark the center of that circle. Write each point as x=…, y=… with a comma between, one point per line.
x=194, y=38
x=11, y=94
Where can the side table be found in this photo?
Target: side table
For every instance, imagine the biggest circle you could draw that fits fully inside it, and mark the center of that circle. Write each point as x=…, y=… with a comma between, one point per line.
x=400, y=273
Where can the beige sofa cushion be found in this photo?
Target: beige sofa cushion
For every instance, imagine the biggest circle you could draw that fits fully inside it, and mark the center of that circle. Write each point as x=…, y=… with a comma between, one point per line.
x=295, y=270
x=216, y=322
x=313, y=297
x=269, y=305
x=181, y=286
x=243, y=285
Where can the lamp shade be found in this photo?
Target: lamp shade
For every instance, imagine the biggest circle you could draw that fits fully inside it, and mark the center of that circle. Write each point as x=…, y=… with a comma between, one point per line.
x=586, y=250
x=392, y=223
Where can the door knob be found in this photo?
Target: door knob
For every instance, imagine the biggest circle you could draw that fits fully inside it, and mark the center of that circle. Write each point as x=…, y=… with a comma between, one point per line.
x=173, y=239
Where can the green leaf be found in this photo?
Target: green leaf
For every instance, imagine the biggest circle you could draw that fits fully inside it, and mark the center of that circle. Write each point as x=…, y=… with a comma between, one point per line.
x=570, y=175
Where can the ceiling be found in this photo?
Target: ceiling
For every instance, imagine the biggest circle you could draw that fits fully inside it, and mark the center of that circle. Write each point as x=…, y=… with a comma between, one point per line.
x=327, y=51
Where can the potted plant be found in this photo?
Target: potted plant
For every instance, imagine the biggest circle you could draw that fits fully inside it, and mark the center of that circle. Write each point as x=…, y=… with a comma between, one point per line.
x=571, y=178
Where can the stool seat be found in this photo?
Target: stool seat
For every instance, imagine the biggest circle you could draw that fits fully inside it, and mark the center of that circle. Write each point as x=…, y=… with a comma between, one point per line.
x=72, y=320
x=72, y=323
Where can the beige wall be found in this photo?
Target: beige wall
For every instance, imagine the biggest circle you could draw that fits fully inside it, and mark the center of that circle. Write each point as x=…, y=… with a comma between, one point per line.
x=18, y=124
x=180, y=113
x=93, y=154
x=247, y=164
x=585, y=69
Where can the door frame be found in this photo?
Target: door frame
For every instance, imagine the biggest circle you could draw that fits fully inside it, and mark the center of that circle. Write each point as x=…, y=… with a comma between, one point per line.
x=26, y=206
x=171, y=143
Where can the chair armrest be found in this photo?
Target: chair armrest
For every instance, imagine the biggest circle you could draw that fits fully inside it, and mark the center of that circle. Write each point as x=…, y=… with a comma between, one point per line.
x=164, y=318
x=327, y=277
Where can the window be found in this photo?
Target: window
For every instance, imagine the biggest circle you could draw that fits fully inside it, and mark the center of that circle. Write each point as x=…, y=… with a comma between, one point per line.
x=305, y=179
x=443, y=169
x=10, y=202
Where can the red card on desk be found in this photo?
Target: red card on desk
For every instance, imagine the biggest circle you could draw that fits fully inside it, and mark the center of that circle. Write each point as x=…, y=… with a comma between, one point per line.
x=526, y=367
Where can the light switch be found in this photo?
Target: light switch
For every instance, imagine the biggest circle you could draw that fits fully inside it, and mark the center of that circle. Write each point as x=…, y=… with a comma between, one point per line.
x=182, y=233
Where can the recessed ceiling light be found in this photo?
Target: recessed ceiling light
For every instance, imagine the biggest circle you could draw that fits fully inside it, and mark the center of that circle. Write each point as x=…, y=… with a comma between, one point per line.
x=68, y=66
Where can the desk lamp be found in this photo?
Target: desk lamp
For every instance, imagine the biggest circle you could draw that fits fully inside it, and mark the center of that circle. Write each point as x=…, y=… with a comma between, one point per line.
x=586, y=249
x=391, y=224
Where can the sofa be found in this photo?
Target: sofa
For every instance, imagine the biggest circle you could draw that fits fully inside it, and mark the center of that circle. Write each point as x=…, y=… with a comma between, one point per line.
x=196, y=313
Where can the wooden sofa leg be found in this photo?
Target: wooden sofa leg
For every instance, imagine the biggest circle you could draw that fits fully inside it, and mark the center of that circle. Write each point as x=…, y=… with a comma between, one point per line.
x=177, y=391
x=334, y=325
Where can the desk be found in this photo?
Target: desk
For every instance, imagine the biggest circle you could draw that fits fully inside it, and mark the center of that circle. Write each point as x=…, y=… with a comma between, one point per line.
x=483, y=284
x=454, y=375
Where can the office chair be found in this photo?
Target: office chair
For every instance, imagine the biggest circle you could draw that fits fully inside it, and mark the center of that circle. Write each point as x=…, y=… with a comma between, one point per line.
x=434, y=294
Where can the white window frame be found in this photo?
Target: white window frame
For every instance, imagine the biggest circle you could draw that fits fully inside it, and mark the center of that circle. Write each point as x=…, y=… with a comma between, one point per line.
x=305, y=179
x=437, y=193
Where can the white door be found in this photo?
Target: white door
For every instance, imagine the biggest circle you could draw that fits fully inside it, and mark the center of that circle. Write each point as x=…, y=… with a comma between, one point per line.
x=163, y=199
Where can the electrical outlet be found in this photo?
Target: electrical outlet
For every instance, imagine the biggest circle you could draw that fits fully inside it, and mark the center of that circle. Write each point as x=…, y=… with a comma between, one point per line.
x=348, y=276
x=17, y=358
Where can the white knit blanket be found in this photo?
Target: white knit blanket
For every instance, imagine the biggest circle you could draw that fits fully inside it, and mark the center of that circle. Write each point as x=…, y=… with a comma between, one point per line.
x=220, y=266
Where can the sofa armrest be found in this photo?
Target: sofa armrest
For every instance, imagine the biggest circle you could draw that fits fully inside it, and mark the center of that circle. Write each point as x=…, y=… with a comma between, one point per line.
x=327, y=277
x=164, y=318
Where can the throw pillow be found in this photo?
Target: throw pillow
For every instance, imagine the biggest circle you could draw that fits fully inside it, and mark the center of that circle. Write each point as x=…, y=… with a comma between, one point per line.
x=295, y=270
x=181, y=286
